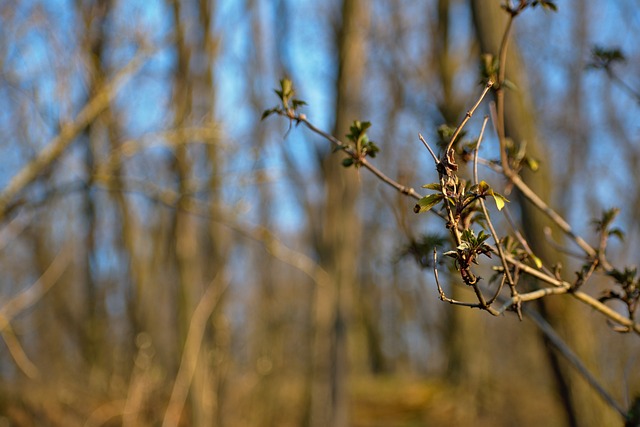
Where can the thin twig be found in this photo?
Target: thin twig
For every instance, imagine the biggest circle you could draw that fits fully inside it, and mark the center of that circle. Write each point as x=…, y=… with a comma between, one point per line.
x=494, y=234
x=363, y=162
x=170, y=198
x=549, y=238
x=441, y=293
x=468, y=116
x=573, y=359
x=553, y=215
x=521, y=239
x=435, y=158
x=532, y=296
x=547, y=278
x=497, y=292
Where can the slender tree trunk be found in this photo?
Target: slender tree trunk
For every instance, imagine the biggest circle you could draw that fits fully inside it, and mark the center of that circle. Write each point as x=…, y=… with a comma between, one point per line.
x=94, y=15
x=341, y=230
x=583, y=407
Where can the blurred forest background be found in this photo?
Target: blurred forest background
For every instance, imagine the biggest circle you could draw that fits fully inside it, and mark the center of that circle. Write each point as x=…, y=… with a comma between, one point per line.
x=169, y=259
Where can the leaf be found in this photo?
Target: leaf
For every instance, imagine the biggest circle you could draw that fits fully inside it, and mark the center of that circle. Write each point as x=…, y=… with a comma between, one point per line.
x=370, y=149
x=617, y=232
x=364, y=126
x=433, y=186
x=545, y=4
x=482, y=236
x=452, y=254
x=499, y=199
x=287, y=88
x=426, y=203
x=483, y=188
x=267, y=113
x=347, y=162
x=463, y=246
x=624, y=278
x=537, y=261
x=603, y=58
x=532, y=164
x=297, y=103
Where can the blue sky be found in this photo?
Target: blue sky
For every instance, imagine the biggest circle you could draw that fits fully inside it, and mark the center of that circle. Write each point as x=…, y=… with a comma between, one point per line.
x=307, y=52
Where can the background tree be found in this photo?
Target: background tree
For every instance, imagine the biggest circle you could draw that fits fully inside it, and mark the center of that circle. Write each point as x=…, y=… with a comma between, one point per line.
x=170, y=259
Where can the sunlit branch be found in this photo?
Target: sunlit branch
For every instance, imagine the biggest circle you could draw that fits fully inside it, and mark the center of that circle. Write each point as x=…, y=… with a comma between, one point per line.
x=468, y=115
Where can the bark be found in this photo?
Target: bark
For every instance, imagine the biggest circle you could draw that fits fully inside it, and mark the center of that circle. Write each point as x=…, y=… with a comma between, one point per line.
x=94, y=22
x=341, y=229
x=581, y=404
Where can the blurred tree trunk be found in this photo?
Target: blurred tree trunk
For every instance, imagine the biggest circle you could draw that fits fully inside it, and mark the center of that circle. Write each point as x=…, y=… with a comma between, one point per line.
x=200, y=257
x=94, y=16
x=270, y=302
x=464, y=330
x=212, y=378
x=185, y=226
x=107, y=126
x=583, y=407
x=341, y=229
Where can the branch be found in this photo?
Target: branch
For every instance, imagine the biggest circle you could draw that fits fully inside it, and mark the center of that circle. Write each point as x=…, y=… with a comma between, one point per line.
x=494, y=234
x=612, y=315
x=35, y=292
x=572, y=358
x=363, y=161
x=68, y=132
x=467, y=116
x=190, y=353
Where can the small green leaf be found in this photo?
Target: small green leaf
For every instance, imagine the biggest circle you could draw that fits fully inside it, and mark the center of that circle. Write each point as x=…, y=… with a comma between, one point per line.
x=617, y=232
x=532, y=164
x=483, y=187
x=499, y=199
x=452, y=254
x=297, y=103
x=433, y=186
x=268, y=112
x=463, y=246
x=370, y=149
x=347, y=162
x=287, y=87
x=426, y=203
x=537, y=261
x=546, y=4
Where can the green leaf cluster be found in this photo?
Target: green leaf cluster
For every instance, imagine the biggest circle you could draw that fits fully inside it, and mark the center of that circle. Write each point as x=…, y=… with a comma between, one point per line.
x=545, y=4
x=421, y=248
x=630, y=294
x=471, y=246
x=603, y=225
x=361, y=146
x=445, y=133
x=518, y=156
x=288, y=104
x=603, y=58
x=461, y=203
x=483, y=190
x=515, y=10
x=626, y=278
x=473, y=243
